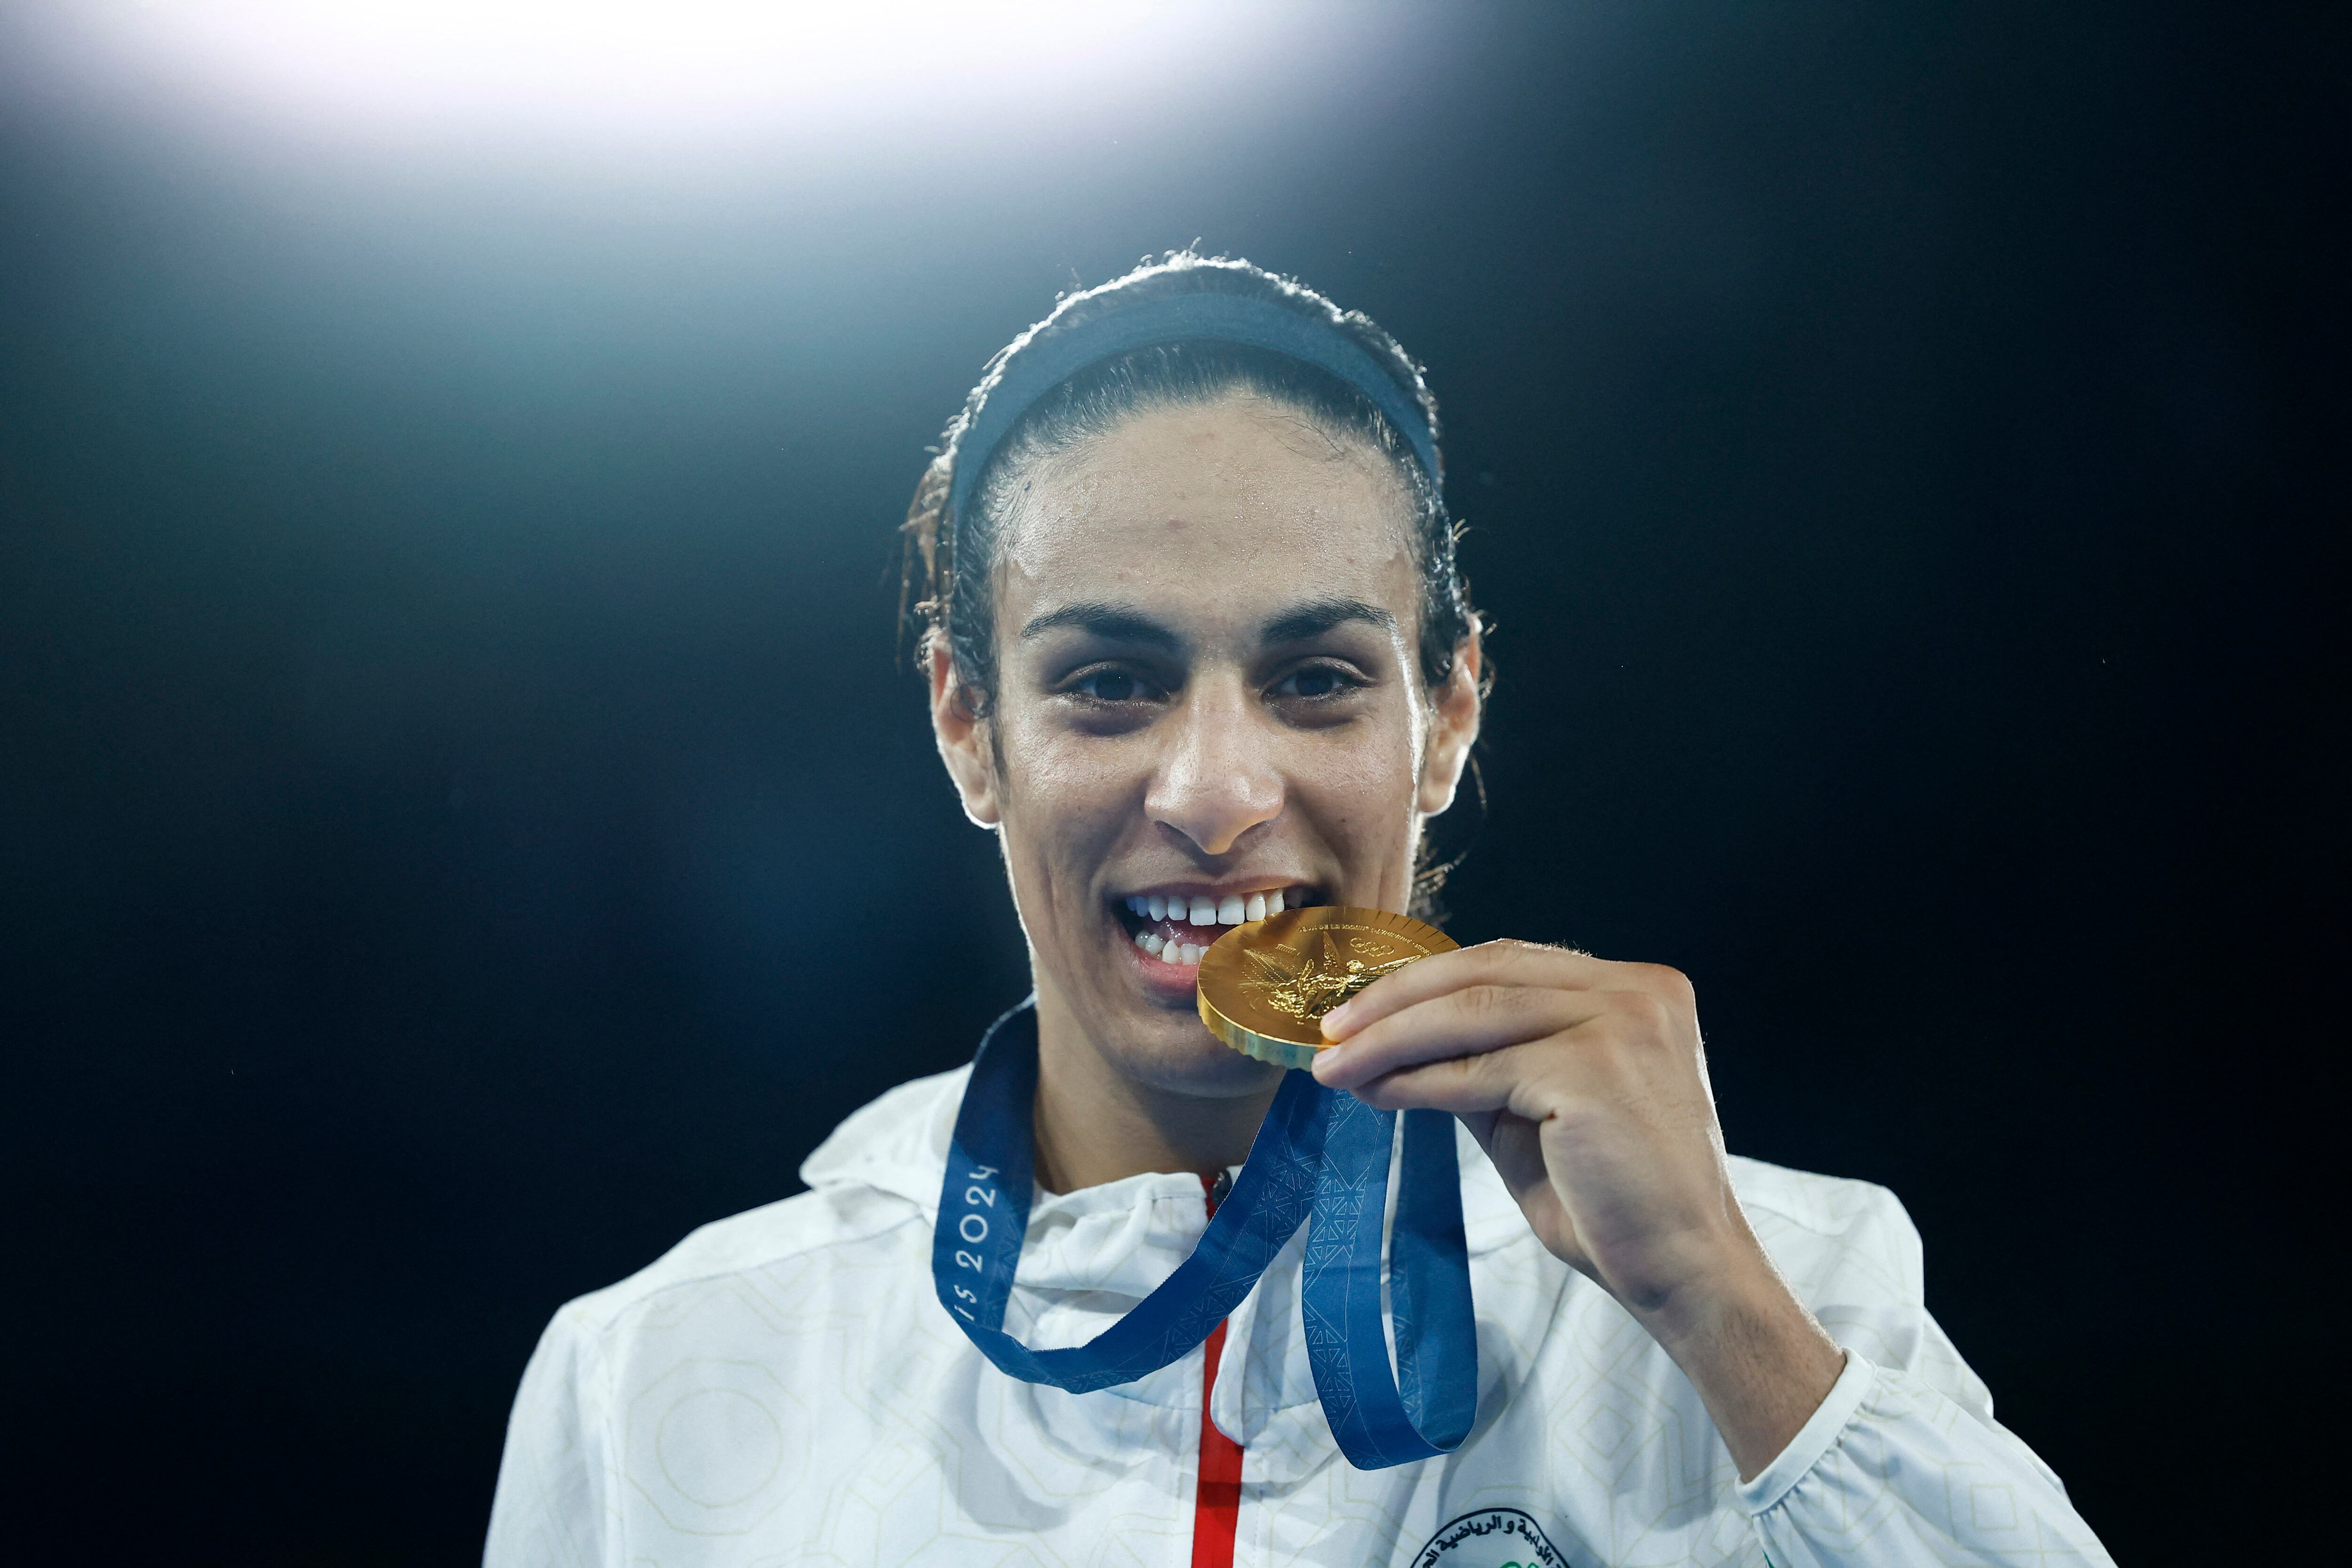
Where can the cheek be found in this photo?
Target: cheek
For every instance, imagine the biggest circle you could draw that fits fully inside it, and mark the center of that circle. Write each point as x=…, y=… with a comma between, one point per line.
x=1365, y=789
x=1064, y=805
x=1046, y=775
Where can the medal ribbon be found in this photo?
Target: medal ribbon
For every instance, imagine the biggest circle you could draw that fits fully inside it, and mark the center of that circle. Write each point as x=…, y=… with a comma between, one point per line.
x=1320, y=1159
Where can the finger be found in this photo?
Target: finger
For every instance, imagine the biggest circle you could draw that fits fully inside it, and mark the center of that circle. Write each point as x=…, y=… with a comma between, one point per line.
x=1499, y=963
x=1478, y=1088
x=1464, y=1021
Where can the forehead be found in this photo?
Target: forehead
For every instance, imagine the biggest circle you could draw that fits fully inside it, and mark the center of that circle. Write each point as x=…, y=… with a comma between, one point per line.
x=1209, y=518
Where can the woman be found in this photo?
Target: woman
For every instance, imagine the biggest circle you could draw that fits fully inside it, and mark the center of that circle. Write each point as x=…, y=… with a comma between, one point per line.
x=1197, y=649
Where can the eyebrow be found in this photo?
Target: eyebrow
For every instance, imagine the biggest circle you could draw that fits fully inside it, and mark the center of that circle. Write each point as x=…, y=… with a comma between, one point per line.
x=1112, y=622
x=1123, y=623
x=1312, y=619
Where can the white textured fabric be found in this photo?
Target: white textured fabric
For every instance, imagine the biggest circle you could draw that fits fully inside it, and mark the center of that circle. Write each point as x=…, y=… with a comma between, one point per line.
x=783, y=1388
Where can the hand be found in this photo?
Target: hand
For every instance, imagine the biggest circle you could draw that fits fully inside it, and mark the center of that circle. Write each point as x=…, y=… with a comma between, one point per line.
x=1586, y=1084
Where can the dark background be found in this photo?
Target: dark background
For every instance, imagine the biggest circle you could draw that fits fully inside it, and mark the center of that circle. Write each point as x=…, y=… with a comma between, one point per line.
x=461, y=824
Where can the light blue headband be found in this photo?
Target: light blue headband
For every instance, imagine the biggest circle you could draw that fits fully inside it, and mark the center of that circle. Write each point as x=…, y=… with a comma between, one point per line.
x=1210, y=317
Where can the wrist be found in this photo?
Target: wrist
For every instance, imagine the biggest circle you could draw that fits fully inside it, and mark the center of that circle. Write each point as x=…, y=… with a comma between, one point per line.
x=1735, y=1287
x=1758, y=1358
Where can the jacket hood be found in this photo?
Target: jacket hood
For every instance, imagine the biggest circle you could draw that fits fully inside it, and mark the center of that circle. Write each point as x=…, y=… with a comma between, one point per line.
x=896, y=1145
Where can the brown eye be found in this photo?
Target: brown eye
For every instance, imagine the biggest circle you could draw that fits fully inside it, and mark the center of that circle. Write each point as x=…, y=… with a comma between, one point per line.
x=1113, y=686
x=1315, y=682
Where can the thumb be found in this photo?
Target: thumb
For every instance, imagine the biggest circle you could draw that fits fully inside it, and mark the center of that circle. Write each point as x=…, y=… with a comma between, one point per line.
x=1482, y=1126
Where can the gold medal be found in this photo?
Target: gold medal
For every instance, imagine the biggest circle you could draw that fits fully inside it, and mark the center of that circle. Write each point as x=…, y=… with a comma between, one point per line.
x=1264, y=986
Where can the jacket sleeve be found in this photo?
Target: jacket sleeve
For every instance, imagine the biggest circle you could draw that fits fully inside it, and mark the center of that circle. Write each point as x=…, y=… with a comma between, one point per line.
x=1903, y=1464
x=552, y=1501
x=1891, y=1472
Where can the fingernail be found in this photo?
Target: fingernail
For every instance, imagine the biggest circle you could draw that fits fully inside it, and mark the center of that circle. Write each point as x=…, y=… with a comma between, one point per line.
x=1336, y=1020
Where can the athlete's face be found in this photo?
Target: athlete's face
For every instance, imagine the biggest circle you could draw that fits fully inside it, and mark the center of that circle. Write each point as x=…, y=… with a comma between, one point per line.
x=1208, y=696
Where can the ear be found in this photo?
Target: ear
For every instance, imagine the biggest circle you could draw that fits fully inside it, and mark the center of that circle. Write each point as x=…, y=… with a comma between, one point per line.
x=1453, y=727
x=963, y=738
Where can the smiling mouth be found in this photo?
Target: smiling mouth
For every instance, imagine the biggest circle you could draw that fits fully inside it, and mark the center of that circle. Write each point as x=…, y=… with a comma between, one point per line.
x=1176, y=927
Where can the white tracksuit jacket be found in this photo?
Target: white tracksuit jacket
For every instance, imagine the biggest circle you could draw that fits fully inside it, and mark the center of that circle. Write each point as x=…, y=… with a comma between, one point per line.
x=783, y=1388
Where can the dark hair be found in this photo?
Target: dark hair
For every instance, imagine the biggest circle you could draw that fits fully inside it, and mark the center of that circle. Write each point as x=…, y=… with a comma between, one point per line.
x=945, y=586
x=945, y=589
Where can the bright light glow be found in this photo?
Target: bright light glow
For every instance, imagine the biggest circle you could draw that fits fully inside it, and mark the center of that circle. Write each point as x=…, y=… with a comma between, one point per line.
x=675, y=62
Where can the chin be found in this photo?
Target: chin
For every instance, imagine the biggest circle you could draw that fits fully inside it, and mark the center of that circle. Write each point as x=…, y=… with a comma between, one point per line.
x=1202, y=1066
x=1174, y=1053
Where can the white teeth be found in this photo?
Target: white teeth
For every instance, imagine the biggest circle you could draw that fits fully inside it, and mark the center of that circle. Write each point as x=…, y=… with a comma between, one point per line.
x=1199, y=911
x=1143, y=939
x=1151, y=943
x=1191, y=954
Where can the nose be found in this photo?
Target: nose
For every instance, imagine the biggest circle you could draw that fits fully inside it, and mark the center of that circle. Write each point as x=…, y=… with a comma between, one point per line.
x=1218, y=777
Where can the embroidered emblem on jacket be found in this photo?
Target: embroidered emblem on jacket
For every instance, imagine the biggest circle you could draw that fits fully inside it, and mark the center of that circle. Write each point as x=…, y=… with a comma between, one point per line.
x=1491, y=1538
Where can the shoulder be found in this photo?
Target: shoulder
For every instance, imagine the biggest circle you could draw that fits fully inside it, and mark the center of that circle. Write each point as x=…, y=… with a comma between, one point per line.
x=1835, y=1238
x=771, y=1298
x=779, y=1235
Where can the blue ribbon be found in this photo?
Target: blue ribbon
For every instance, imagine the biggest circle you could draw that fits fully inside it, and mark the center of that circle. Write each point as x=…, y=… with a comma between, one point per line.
x=1320, y=1159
